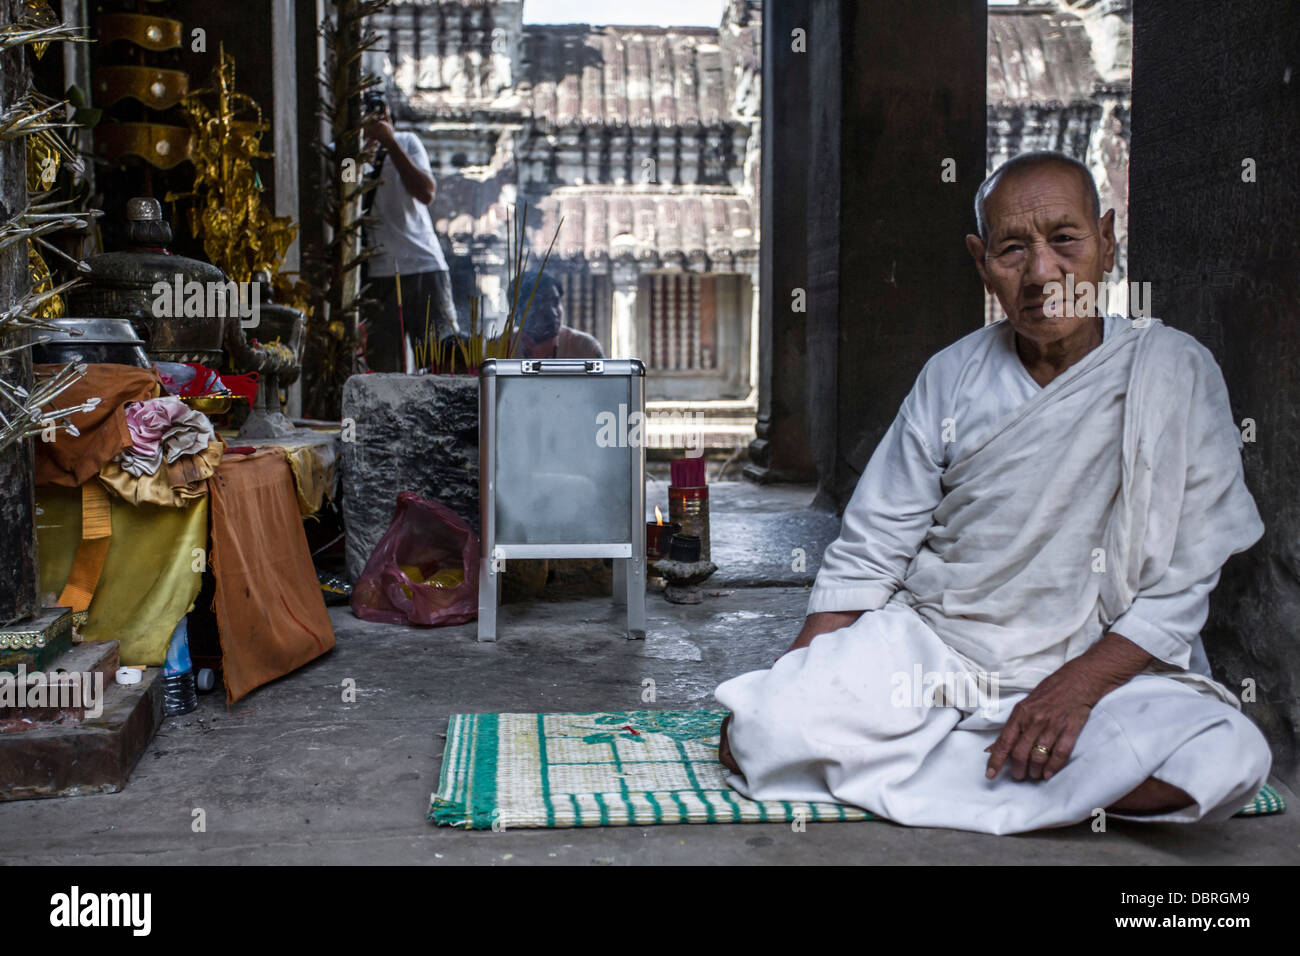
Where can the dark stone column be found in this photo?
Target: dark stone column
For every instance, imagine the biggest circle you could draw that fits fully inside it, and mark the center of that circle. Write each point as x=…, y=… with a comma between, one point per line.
x=1211, y=91
x=18, y=579
x=896, y=89
x=821, y=183
x=781, y=451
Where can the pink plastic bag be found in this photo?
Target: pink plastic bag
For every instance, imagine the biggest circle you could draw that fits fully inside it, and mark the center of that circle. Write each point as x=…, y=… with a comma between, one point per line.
x=431, y=537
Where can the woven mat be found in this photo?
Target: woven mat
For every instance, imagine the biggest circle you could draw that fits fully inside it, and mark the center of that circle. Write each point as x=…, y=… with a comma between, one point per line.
x=625, y=768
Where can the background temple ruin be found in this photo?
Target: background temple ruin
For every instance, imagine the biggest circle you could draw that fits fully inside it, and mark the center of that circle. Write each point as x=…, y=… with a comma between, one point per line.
x=646, y=141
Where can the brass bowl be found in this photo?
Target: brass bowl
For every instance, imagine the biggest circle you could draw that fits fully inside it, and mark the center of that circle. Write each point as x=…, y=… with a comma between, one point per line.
x=211, y=404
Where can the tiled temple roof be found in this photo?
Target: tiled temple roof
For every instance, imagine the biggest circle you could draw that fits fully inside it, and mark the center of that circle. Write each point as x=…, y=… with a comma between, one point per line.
x=1022, y=42
x=700, y=230
x=674, y=227
x=574, y=74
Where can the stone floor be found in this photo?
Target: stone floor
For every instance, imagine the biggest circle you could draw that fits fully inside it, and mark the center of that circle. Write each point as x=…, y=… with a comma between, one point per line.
x=294, y=775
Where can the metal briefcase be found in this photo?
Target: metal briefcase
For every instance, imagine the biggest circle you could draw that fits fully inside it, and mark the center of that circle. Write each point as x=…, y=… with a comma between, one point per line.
x=562, y=472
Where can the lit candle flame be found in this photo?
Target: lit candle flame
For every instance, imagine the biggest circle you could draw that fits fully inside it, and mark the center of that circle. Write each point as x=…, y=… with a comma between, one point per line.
x=659, y=515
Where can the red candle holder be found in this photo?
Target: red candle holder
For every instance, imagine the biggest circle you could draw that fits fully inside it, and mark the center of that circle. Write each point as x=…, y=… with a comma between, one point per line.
x=657, y=538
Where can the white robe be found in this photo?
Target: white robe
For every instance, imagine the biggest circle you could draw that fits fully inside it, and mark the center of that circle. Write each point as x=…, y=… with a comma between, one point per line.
x=1000, y=530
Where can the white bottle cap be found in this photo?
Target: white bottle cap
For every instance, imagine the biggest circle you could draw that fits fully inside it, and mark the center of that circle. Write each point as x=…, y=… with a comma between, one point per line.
x=129, y=675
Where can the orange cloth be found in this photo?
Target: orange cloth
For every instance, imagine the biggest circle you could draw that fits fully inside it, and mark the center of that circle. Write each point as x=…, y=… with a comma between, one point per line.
x=88, y=562
x=71, y=461
x=270, y=611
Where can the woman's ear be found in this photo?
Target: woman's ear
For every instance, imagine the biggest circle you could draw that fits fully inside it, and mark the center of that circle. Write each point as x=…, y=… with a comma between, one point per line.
x=977, y=249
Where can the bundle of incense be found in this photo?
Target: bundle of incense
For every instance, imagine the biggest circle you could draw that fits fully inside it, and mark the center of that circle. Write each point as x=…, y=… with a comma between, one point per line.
x=401, y=325
x=441, y=357
x=688, y=500
x=423, y=358
x=688, y=472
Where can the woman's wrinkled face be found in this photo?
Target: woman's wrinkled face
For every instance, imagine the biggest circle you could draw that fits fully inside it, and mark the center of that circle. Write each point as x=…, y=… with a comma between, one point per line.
x=1041, y=231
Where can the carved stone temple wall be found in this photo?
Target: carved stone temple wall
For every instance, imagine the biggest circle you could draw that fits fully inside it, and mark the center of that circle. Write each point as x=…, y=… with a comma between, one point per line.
x=642, y=140
x=1060, y=78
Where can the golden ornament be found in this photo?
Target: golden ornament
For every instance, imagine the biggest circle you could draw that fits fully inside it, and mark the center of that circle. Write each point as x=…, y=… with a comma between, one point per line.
x=39, y=274
x=40, y=14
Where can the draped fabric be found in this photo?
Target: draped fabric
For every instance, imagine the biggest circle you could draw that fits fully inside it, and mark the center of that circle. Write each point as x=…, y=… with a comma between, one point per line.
x=72, y=460
x=151, y=574
x=271, y=614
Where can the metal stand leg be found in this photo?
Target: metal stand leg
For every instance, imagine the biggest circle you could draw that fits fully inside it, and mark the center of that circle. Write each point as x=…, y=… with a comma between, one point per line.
x=620, y=581
x=634, y=596
x=488, y=580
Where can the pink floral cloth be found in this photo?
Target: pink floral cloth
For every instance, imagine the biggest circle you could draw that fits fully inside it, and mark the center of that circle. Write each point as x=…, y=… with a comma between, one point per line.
x=162, y=427
x=149, y=421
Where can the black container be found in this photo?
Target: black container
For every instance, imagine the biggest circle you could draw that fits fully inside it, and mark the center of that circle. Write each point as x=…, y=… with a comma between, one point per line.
x=100, y=340
x=121, y=284
x=685, y=548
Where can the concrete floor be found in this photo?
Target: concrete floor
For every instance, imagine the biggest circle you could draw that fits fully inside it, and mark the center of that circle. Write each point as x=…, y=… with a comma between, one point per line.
x=295, y=775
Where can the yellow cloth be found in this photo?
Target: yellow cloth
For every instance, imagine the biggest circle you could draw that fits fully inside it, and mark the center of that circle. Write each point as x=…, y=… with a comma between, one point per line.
x=313, y=476
x=314, y=465
x=172, y=486
x=148, y=582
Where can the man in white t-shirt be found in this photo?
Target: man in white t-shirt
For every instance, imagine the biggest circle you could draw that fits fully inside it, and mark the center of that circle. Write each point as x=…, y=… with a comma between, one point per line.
x=406, y=247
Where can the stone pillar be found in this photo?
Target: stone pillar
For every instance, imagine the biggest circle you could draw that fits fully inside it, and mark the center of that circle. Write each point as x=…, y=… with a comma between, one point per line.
x=569, y=166
x=501, y=57
x=780, y=447
x=739, y=140
x=591, y=150
x=688, y=153
x=620, y=157
x=403, y=36
x=666, y=153
x=455, y=66
x=1213, y=204
x=490, y=269
x=643, y=170
x=310, y=130
x=284, y=131
x=820, y=180
x=890, y=281
x=18, y=578
x=622, y=321
x=474, y=55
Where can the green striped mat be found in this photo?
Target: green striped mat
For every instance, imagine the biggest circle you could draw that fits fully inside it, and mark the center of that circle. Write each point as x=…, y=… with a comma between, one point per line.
x=624, y=768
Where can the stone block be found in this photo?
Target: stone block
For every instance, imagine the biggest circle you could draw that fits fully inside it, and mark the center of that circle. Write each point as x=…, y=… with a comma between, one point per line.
x=412, y=433
x=94, y=756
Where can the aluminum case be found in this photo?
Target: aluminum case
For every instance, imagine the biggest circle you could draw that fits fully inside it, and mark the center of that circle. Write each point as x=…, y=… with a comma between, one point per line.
x=562, y=472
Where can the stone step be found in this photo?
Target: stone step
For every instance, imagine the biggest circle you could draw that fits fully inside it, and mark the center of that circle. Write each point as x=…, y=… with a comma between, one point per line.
x=94, y=756
x=65, y=679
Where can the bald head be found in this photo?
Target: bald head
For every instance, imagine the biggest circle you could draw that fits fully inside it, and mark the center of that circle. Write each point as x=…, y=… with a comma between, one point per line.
x=1024, y=163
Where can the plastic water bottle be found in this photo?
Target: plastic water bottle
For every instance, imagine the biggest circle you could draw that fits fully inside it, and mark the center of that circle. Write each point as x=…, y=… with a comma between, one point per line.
x=179, y=696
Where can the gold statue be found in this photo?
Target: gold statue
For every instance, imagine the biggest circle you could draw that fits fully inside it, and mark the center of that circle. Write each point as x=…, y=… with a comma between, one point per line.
x=240, y=236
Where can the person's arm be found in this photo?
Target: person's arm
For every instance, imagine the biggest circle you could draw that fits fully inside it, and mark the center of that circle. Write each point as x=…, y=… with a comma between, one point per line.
x=413, y=170
x=883, y=526
x=1159, y=627
x=823, y=622
x=1166, y=626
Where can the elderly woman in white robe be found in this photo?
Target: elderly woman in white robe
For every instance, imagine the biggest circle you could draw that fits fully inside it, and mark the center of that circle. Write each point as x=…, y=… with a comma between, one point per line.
x=1005, y=636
